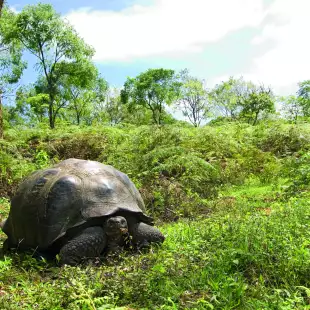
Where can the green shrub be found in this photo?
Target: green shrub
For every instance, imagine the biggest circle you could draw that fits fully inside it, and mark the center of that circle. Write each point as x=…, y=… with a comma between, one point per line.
x=282, y=140
x=14, y=166
x=298, y=173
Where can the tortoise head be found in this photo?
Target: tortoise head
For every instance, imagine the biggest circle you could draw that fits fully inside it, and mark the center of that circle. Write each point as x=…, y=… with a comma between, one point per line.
x=116, y=225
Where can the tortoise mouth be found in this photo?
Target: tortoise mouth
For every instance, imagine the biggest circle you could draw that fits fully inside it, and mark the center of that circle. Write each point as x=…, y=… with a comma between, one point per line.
x=117, y=224
x=117, y=231
x=124, y=230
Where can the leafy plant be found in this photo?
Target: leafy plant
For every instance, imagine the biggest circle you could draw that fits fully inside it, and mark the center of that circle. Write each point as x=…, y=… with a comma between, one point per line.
x=41, y=159
x=299, y=176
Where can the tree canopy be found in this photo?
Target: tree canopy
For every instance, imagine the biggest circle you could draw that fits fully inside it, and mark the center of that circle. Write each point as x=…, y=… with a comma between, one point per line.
x=153, y=89
x=193, y=99
x=304, y=96
x=11, y=64
x=258, y=101
x=55, y=44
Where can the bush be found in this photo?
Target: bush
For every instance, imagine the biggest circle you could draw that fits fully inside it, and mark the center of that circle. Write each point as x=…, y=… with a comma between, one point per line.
x=282, y=140
x=14, y=166
x=298, y=173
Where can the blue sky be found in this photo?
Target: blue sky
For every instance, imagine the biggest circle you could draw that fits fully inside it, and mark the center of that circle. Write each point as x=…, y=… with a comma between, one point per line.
x=263, y=40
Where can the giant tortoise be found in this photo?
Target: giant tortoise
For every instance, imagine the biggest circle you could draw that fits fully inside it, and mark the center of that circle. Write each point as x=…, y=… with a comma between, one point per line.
x=79, y=209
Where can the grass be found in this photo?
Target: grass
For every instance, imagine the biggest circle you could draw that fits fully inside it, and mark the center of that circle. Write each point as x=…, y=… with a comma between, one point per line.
x=235, y=238
x=250, y=252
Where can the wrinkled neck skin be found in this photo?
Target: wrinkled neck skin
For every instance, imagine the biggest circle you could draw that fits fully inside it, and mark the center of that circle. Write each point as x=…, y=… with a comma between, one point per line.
x=114, y=235
x=111, y=232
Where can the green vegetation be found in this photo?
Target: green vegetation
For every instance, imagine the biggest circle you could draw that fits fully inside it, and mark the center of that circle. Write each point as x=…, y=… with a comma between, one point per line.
x=241, y=257
x=152, y=89
x=230, y=190
x=232, y=201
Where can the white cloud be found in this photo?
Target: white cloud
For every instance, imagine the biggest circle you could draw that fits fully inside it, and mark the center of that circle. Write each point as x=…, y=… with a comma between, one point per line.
x=288, y=61
x=166, y=27
x=14, y=9
x=183, y=29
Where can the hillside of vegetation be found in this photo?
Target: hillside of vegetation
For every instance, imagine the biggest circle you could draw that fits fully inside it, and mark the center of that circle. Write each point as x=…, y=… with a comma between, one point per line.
x=176, y=168
x=232, y=201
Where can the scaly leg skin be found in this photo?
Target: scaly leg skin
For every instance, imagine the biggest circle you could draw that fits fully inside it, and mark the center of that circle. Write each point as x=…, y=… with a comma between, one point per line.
x=87, y=245
x=144, y=234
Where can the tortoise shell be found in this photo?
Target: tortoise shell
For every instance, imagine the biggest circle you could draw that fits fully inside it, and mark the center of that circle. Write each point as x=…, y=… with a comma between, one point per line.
x=74, y=193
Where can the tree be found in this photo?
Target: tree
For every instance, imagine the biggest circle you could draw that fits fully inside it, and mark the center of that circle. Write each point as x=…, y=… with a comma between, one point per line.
x=114, y=109
x=31, y=103
x=11, y=64
x=1, y=6
x=193, y=99
x=12, y=117
x=304, y=89
x=291, y=108
x=80, y=104
x=55, y=44
x=152, y=89
x=303, y=94
x=227, y=97
x=111, y=109
x=75, y=93
x=82, y=89
x=239, y=99
x=255, y=102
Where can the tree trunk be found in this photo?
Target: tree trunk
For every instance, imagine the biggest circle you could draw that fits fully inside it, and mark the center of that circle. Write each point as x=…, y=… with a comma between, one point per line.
x=1, y=6
x=1, y=112
x=78, y=118
x=51, y=112
x=154, y=110
x=1, y=118
x=160, y=111
x=256, y=117
x=50, y=115
x=154, y=116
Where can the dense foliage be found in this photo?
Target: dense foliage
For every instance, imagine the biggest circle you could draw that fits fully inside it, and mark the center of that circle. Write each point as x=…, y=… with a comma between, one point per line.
x=231, y=200
x=175, y=168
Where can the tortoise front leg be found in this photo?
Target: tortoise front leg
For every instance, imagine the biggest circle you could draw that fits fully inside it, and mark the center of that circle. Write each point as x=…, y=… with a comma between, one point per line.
x=144, y=234
x=89, y=244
